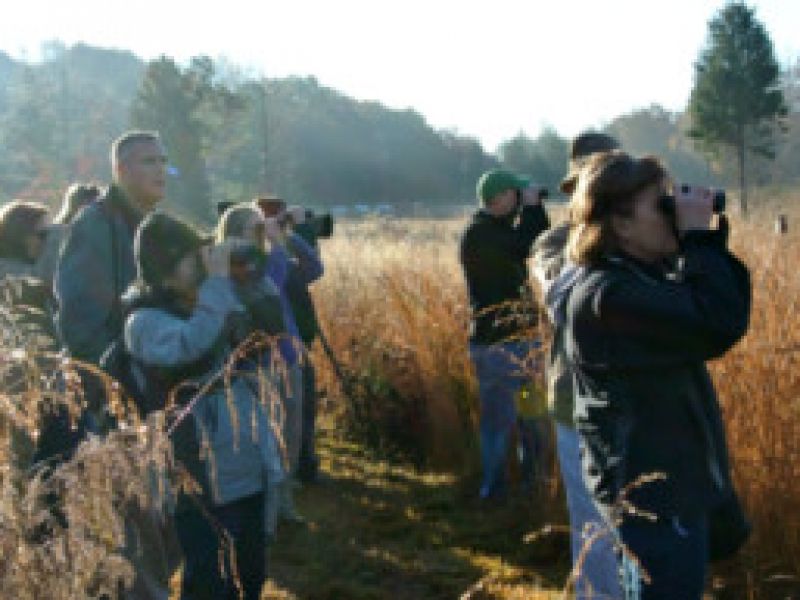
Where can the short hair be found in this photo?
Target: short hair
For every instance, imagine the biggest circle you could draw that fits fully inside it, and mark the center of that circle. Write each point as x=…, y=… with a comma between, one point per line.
x=606, y=188
x=235, y=219
x=124, y=144
x=76, y=197
x=18, y=220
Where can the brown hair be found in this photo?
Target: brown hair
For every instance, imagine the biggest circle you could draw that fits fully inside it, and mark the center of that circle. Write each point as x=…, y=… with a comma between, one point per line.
x=606, y=188
x=18, y=221
x=76, y=197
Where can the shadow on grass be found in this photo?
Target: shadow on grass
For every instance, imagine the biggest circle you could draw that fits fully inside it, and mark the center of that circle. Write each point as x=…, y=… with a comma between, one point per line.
x=382, y=530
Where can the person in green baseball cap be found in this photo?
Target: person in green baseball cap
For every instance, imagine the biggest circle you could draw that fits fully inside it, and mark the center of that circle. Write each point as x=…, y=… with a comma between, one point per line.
x=493, y=253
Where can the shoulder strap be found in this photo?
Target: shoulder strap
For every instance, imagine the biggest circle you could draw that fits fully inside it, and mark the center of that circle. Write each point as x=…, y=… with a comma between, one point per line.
x=115, y=316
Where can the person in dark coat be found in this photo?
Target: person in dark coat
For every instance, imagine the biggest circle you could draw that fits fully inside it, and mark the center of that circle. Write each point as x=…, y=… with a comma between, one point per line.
x=493, y=253
x=658, y=296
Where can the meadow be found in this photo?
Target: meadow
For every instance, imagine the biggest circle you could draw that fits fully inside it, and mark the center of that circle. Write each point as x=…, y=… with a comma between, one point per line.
x=393, y=304
x=398, y=517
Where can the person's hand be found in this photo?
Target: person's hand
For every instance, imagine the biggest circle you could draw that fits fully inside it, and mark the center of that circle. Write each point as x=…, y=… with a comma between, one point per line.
x=298, y=214
x=693, y=208
x=273, y=230
x=217, y=258
x=531, y=196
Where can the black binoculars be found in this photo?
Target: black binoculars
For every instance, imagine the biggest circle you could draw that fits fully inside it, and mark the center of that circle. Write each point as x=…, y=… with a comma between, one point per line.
x=667, y=202
x=543, y=194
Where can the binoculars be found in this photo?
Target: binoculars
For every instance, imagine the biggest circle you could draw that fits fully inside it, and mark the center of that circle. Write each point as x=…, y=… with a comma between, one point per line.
x=667, y=202
x=543, y=194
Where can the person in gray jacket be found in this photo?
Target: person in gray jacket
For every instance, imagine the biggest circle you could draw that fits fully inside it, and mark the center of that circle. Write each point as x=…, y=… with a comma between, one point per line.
x=183, y=328
x=592, y=546
x=96, y=261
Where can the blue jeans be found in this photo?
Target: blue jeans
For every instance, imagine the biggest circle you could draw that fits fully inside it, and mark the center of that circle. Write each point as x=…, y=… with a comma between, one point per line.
x=499, y=380
x=599, y=571
x=673, y=552
x=534, y=438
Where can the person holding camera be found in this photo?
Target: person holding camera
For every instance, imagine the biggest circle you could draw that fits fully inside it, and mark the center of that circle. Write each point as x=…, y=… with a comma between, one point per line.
x=292, y=262
x=310, y=227
x=183, y=321
x=493, y=252
x=658, y=296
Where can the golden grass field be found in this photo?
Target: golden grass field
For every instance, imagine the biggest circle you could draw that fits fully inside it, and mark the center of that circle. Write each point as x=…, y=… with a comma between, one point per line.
x=393, y=301
x=399, y=518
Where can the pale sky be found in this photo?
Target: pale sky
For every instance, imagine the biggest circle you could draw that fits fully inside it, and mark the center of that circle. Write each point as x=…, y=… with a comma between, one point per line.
x=487, y=69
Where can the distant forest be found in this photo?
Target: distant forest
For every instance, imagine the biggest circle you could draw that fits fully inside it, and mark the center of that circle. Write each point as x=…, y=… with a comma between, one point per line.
x=231, y=136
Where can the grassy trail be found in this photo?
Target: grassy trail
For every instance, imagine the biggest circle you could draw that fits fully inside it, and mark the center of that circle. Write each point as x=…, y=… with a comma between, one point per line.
x=382, y=530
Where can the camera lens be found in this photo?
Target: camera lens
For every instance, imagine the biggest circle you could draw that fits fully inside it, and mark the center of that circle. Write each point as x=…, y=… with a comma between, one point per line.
x=719, y=201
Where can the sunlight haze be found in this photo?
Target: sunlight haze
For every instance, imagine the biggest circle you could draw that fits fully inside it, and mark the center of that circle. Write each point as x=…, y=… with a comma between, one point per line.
x=487, y=70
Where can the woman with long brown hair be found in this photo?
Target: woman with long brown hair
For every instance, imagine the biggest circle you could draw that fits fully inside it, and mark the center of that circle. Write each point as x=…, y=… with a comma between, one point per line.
x=658, y=295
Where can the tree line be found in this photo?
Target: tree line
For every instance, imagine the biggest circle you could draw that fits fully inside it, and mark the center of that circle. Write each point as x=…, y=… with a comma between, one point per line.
x=232, y=135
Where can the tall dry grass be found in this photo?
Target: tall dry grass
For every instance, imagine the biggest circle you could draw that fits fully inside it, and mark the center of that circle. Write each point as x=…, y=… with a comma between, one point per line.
x=393, y=304
x=62, y=524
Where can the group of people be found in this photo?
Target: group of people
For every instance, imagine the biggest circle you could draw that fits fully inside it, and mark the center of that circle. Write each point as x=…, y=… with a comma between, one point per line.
x=155, y=302
x=639, y=291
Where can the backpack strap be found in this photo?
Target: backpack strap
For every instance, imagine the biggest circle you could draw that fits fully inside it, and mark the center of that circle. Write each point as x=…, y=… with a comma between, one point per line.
x=115, y=316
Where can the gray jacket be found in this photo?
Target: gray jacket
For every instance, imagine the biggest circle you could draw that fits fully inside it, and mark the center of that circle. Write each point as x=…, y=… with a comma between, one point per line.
x=556, y=277
x=244, y=452
x=95, y=267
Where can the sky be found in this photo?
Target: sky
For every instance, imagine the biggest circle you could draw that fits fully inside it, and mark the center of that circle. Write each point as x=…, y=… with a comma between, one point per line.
x=487, y=69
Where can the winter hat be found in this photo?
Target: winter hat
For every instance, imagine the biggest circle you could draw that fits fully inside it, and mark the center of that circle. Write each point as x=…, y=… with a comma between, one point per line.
x=161, y=242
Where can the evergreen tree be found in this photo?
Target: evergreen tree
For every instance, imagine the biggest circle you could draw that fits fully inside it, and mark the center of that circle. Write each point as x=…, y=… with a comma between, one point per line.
x=737, y=102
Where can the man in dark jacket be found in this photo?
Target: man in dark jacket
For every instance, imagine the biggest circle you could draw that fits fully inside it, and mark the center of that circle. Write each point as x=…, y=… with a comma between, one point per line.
x=493, y=252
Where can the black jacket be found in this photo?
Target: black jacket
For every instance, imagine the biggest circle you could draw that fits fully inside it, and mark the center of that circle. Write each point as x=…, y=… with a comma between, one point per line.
x=493, y=254
x=638, y=340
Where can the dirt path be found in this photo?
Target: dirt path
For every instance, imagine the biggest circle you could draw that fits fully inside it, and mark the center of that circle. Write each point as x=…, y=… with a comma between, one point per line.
x=382, y=530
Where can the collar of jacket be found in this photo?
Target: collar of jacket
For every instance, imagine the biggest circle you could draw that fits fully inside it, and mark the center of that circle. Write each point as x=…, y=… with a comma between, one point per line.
x=482, y=216
x=652, y=273
x=119, y=202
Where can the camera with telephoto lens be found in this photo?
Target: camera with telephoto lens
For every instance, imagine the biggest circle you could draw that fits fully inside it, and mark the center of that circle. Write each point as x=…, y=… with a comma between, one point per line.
x=667, y=202
x=321, y=225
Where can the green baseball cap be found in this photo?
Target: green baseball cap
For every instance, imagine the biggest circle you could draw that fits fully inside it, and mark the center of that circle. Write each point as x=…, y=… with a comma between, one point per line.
x=495, y=182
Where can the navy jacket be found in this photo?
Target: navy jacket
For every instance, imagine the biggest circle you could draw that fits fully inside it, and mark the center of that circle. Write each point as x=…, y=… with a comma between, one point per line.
x=638, y=338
